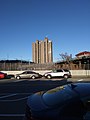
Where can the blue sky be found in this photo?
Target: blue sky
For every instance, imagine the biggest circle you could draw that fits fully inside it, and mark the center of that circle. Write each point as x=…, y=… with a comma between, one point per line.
x=65, y=22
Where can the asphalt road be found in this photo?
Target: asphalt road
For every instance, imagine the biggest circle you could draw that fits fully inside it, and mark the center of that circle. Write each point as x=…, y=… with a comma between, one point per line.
x=14, y=94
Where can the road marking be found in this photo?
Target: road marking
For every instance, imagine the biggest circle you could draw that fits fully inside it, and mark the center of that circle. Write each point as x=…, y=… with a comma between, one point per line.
x=19, y=80
x=12, y=115
x=15, y=100
x=7, y=96
x=80, y=80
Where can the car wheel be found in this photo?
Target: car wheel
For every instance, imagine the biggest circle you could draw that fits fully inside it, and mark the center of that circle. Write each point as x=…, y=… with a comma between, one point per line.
x=33, y=77
x=18, y=77
x=65, y=76
x=49, y=76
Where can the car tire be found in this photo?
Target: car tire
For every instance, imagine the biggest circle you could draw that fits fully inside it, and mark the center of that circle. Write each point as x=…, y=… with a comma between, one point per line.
x=66, y=76
x=18, y=77
x=33, y=77
x=49, y=76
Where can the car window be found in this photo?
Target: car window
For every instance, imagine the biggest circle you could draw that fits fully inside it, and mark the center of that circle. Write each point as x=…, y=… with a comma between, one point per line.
x=66, y=70
x=24, y=73
x=54, y=71
x=29, y=72
x=59, y=70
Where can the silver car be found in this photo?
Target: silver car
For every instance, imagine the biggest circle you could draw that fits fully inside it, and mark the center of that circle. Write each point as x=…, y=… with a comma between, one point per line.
x=28, y=74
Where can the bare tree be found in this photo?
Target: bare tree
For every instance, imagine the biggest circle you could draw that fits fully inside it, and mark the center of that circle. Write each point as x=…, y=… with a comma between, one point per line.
x=66, y=58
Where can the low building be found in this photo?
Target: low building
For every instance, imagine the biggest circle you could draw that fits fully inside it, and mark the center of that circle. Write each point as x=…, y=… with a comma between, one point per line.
x=81, y=61
x=83, y=54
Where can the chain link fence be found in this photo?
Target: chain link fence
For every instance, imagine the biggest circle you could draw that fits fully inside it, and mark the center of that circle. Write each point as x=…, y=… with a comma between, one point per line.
x=20, y=65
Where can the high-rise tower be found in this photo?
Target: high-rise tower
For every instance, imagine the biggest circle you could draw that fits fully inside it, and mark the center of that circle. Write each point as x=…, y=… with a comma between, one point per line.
x=42, y=51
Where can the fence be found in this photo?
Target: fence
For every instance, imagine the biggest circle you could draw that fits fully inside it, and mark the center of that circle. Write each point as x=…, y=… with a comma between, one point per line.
x=48, y=66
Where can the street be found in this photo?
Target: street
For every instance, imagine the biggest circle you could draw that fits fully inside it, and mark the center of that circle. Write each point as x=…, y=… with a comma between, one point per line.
x=14, y=94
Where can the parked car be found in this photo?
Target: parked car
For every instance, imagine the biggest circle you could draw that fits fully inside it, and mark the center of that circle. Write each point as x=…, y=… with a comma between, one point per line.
x=3, y=75
x=28, y=74
x=58, y=73
x=10, y=76
x=68, y=102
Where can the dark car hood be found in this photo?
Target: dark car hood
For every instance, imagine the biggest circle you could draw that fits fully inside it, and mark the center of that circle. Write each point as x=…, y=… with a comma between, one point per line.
x=58, y=96
x=35, y=102
x=49, y=99
x=66, y=93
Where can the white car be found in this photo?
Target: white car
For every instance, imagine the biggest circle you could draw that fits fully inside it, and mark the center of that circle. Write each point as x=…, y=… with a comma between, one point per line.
x=58, y=73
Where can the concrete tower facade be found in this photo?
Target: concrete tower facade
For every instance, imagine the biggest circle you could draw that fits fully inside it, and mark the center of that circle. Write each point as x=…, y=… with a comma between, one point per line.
x=42, y=51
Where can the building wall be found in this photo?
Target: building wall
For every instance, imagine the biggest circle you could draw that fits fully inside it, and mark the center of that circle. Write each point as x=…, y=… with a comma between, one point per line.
x=33, y=52
x=46, y=50
x=37, y=51
x=50, y=55
x=42, y=51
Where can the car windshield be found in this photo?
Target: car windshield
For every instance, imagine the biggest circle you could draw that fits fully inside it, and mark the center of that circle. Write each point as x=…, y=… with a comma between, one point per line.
x=54, y=71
